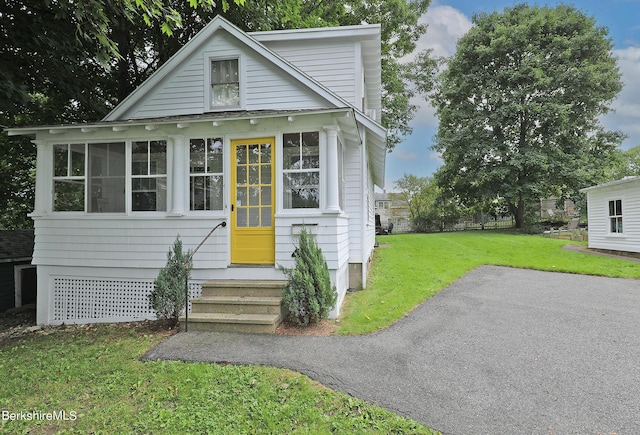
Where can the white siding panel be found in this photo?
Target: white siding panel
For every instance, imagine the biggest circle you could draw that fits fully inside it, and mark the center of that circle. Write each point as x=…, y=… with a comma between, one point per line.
x=598, y=202
x=332, y=63
x=181, y=93
x=267, y=87
x=353, y=200
x=125, y=243
x=270, y=88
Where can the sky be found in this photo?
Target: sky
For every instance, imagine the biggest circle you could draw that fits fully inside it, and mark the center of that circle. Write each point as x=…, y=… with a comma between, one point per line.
x=448, y=20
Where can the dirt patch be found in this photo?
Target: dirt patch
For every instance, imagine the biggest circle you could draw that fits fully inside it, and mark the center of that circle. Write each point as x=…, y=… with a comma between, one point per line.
x=18, y=323
x=324, y=328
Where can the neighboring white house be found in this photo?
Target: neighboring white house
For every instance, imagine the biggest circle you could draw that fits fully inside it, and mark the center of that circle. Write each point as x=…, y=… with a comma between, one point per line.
x=268, y=131
x=613, y=210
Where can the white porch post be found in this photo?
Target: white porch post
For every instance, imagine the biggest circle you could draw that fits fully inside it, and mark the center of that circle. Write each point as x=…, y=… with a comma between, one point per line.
x=333, y=194
x=44, y=187
x=178, y=176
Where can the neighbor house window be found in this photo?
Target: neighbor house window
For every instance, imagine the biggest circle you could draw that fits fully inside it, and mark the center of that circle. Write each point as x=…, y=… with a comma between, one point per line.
x=106, y=177
x=301, y=170
x=205, y=181
x=149, y=175
x=225, y=83
x=68, y=177
x=615, y=216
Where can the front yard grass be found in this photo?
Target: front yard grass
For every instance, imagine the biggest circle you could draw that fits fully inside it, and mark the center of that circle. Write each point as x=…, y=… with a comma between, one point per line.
x=94, y=375
x=410, y=268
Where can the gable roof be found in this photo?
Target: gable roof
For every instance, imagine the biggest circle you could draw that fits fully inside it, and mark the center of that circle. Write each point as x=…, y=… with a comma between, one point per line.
x=217, y=24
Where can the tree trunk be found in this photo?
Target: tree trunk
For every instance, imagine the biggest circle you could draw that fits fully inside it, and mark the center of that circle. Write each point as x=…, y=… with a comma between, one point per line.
x=517, y=210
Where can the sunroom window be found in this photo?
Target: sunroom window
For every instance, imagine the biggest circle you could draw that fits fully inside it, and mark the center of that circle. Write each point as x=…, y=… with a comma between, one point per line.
x=206, y=180
x=301, y=170
x=149, y=176
x=68, y=177
x=106, y=177
x=615, y=216
x=225, y=83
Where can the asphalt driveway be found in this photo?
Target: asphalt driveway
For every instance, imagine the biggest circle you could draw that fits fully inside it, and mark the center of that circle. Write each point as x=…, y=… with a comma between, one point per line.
x=501, y=351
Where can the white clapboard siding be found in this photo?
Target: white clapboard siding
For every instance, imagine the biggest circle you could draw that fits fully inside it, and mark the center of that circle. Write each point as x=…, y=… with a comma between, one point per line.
x=330, y=62
x=353, y=195
x=598, y=213
x=330, y=233
x=266, y=86
x=125, y=242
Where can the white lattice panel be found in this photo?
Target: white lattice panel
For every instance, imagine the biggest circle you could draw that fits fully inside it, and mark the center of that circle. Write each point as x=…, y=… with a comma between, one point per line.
x=93, y=300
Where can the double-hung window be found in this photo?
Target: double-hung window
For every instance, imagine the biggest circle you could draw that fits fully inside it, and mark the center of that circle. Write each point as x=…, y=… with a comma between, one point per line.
x=225, y=83
x=68, y=177
x=615, y=216
x=149, y=175
x=205, y=180
x=301, y=170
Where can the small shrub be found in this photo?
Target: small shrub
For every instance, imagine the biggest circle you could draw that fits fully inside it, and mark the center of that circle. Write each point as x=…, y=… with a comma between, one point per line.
x=308, y=295
x=167, y=298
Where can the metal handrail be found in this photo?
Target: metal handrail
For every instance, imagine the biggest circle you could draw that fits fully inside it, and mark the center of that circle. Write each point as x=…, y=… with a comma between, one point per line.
x=186, y=275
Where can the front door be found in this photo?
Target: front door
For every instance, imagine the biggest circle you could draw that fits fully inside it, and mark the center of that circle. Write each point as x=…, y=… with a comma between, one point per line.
x=252, y=201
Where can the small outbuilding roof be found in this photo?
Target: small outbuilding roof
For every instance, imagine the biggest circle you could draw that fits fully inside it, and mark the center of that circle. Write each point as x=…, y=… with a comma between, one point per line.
x=625, y=180
x=16, y=245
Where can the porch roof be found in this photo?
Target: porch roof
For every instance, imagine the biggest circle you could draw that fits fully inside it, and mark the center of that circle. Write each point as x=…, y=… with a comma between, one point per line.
x=349, y=119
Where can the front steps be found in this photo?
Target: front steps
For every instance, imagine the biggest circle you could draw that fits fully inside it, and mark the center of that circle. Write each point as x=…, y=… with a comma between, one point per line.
x=237, y=305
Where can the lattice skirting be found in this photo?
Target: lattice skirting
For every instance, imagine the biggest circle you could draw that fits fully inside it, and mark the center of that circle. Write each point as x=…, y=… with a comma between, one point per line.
x=80, y=300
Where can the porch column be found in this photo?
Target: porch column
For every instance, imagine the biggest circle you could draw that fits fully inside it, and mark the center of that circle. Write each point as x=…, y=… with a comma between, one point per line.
x=178, y=176
x=333, y=194
x=44, y=174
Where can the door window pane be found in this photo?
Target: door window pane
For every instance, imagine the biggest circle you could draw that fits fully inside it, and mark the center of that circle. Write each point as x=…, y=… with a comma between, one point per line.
x=266, y=216
x=254, y=217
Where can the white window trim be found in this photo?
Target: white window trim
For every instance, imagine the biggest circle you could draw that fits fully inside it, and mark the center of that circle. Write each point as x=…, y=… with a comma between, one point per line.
x=226, y=173
x=608, y=222
x=242, y=88
x=322, y=191
x=128, y=143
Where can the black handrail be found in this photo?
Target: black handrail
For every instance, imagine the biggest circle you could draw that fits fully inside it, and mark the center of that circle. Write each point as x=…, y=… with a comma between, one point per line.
x=186, y=275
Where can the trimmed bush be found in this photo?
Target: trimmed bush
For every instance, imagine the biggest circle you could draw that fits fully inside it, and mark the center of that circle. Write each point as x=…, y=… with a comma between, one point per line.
x=308, y=295
x=167, y=298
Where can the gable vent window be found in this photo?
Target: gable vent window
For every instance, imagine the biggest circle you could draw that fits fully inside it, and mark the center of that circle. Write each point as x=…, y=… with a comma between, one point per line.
x=615, y=216
x=225, y=83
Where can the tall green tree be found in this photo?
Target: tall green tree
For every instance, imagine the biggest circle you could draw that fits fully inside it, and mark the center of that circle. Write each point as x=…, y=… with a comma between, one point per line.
x=420, y=194
x=68, y=61
x=519, y=106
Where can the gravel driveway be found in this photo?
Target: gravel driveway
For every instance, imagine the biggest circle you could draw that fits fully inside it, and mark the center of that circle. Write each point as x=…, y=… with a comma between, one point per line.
x=501, y=351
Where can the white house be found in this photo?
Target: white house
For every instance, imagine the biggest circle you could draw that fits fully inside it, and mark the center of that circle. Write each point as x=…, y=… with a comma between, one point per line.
x=614, y=215
x=268, y=131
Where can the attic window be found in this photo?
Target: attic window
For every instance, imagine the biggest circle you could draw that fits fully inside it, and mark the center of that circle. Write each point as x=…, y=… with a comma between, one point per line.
x=225, y=83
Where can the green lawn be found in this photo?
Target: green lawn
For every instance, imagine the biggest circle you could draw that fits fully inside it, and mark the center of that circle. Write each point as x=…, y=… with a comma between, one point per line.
x=410, y=268
x=94, y=375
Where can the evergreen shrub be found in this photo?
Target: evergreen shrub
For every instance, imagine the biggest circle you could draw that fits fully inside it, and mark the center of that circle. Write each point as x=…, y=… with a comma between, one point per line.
x=308, y=295
x=167, y=298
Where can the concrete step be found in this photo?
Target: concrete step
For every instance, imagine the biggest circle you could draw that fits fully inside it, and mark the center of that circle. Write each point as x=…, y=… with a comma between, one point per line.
x=237, y=305
x=255, y=323
x=236, y=287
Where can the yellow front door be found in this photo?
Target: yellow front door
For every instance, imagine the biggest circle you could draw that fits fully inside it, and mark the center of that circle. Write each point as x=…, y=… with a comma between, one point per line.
x=252, y=201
